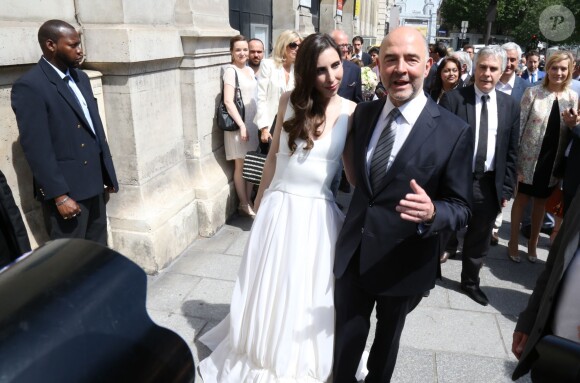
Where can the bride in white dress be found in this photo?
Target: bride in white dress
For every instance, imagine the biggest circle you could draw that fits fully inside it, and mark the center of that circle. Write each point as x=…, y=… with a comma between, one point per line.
x=281, y=322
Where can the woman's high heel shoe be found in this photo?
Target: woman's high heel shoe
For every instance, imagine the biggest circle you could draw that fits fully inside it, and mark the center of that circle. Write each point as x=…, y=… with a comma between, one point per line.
x=246, y=210
x=514, y=258
x=532, y=257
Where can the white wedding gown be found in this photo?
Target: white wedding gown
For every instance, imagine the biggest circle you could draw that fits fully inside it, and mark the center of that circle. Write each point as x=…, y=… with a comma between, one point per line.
x=281, y=322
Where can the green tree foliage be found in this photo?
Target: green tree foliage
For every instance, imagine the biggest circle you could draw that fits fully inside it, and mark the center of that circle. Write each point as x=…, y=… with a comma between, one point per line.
x=517, y=18
x=529, y=25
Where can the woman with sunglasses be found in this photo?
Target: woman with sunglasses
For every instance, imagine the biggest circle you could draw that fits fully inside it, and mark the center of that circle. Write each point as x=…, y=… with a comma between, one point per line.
x=281, y=322
x=276, y=77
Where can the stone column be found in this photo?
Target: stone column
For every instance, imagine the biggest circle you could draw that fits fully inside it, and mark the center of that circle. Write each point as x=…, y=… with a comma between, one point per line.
x=156, y=126
x=288, y=15
x=205, y=33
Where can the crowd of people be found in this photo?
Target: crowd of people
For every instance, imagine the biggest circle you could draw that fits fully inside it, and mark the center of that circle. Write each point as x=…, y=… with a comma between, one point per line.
x=448, y=140
x=520, y=126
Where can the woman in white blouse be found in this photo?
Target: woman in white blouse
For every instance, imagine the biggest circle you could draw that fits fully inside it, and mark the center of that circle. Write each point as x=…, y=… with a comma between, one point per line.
x=276, y=77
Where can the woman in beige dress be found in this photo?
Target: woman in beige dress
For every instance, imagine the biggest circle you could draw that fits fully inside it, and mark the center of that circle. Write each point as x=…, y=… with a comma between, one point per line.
x=544, y=136
x=237, y=143
x=276, y=77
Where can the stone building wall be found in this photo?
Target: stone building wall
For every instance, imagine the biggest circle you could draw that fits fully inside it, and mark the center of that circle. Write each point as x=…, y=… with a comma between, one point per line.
x=160, y=65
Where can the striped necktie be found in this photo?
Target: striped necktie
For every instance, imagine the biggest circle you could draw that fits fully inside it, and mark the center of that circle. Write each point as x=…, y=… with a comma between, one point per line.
x=382, y=153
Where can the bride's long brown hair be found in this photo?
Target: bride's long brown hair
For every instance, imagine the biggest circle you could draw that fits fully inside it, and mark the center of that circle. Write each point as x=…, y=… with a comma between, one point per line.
x=309, y=106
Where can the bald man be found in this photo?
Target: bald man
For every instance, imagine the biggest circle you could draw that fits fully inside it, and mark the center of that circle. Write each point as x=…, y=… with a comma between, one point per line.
x=412, y=182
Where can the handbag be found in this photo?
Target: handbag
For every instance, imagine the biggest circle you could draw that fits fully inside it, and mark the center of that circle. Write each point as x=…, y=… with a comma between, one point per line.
x=224, y=120
x=555, y=202
x=253, y=168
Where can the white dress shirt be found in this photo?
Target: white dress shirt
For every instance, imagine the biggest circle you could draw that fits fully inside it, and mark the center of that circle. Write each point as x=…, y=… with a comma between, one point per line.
x=508, y=87
x=410, y=112
x=492, y=121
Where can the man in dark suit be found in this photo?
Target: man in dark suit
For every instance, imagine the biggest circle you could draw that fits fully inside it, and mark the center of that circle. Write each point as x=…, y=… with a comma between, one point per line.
x=357, y=44
x=494, y=120
x=63, y=138
x=351, y=89
x=350, y=86
x=533, y=74
x=412, y=181
x=554, y=307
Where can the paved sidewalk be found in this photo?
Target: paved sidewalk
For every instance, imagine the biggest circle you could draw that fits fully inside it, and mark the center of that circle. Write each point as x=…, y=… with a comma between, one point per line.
x=448, y=338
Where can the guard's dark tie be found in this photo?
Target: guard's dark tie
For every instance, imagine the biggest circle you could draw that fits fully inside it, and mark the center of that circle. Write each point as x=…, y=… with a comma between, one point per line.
x=66, y=79
x=382, y=153
x=481, y=153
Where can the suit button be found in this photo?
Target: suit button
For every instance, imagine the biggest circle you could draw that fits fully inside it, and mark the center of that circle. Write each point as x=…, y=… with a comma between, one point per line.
x=371, y=204
x=362, y=230
x=82, y=145
x=86, y=162
x=78, y=126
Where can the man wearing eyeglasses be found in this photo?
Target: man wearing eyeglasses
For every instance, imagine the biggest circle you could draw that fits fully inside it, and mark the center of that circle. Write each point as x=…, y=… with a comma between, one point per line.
x=350, y=88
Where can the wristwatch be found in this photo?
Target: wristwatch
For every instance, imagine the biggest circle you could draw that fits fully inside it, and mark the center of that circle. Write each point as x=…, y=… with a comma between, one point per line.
x=430, y=220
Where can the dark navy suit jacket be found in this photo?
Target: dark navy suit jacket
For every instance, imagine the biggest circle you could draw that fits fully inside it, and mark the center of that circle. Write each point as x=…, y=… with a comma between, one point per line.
x=526, y=75
x=351, y=86
x=64, y=154
x=395, y=259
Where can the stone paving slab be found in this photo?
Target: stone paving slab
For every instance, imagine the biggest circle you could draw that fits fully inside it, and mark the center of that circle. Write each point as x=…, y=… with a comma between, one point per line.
x=438, y=329
x=208, y=265
x=209, y=300
x=219, y=243
x=238, y=244
x=462, y=368
x=168, y=293
x=415, y=365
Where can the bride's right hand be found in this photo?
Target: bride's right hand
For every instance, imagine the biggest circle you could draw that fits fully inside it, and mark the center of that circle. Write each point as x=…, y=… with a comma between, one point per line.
x=265, y=135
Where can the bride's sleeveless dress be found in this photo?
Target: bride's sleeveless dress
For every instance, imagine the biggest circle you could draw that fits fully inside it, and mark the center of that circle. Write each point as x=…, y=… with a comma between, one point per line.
x=281, y=322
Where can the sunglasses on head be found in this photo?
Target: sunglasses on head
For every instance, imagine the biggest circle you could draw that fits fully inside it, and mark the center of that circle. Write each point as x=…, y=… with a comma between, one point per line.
x=293, y=45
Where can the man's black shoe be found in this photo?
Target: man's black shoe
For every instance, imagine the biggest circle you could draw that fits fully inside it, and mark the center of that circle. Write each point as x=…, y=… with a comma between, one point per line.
x=475, y=293
x=444, y=257
x=494, y=239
